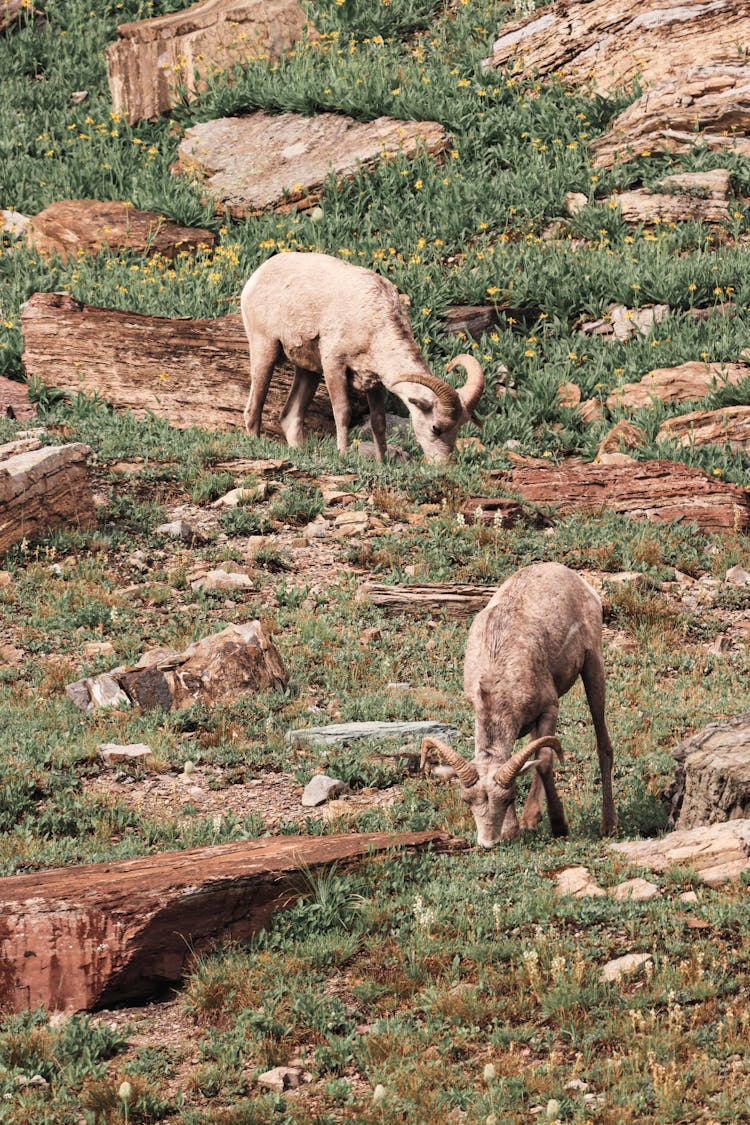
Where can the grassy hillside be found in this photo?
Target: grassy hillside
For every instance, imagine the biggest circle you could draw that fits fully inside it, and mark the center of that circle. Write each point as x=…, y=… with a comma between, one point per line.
x=441, y=989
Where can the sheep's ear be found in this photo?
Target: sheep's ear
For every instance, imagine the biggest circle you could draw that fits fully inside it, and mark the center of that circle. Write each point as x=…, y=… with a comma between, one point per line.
x=423, y=404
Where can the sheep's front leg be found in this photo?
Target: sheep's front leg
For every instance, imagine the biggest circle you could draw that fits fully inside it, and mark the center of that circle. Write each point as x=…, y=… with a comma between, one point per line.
x=594, y=683
x=544, y=779
x=334, y=373
x=376, y=403
x=292, y=419
x=263, y=356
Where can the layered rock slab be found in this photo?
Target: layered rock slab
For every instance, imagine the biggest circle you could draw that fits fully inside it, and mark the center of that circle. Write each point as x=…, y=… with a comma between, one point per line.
x=692, y=380
x=89, y=225
x=718, y=852
x=191, y=372
x=79, y=938
x=42, y=489
x=712, y=775
x=262, y=161
x=663, y=491
x=156, y=64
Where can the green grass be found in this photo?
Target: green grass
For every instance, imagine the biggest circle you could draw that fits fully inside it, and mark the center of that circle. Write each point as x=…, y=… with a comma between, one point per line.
x=461, y=985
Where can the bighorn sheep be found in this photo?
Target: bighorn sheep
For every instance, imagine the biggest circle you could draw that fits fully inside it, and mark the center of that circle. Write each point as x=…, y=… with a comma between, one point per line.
x=526, y=648
x=347, y=324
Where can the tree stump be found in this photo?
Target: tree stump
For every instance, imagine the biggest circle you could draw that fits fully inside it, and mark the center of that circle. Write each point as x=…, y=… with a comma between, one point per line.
x=79, y=938
x=191, y=372
x=157, y=63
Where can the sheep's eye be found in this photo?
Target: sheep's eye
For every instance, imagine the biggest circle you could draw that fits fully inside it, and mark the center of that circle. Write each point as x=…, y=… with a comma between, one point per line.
x=436, y=431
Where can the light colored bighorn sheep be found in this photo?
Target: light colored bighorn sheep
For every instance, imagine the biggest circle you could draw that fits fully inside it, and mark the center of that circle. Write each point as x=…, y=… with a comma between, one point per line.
x=347, y=324
x=526, y=648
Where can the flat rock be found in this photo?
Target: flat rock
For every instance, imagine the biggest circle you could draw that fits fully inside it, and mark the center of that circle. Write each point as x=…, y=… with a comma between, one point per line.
x=625, y=966
x=610, y=43
x=718, y=852
x=635, y=890
x=712, y=775
x=265, y=162
x=662, y=491
x=729, y=426
x=156, y=63
x=737, y=576
x=177, y=529
x=692, y=380
x=113, y=753
x=453, y=599
x=698, y=196
x=42, y=489
x=281, y=1078
x=77, y=938
x=71, y=226
x=223, y=580
x=623, y=435
x=322, y=788
x=348, y=732
x=577, y=881
x=618, y=322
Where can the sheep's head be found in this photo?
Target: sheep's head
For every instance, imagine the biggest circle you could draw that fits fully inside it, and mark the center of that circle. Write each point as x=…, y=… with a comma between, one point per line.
x=438, y=416
x=488, y=788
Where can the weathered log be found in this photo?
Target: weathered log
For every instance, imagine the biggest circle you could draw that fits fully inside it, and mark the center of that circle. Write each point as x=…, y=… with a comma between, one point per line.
x=263, y=161
x=156, y=63
x=78, y=938
x=475, y=320
x=14, y=400
x=43, y=489
x=707, y=105
x=688, y=381
x=700, y=196
x=192, y=372
x=728, y=426
x=718, y=852
x=610, y=43
x=453, y=599
x=663, y=491
x=74, y=225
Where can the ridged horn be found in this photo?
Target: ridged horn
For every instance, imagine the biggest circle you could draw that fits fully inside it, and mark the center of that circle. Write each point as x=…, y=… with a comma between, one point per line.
x=447, y=396
x=509, y=771
x=471, y=391
x=467, y=772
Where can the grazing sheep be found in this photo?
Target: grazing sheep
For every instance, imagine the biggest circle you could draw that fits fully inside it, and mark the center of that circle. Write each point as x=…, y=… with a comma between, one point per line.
x=526, y=648
x=348, y=325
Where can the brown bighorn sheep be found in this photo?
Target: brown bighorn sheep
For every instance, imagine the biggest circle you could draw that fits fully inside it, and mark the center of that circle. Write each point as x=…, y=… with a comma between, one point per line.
x=526, y=648
x=347, y=324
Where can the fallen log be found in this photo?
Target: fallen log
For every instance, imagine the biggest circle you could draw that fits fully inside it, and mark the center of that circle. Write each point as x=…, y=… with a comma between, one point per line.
x=43, y=489
x=157, y=63
x=663, y=491
x=611, y=43
x=79, y=938
x=72, y=226
x=191, y=372
x=453, y=599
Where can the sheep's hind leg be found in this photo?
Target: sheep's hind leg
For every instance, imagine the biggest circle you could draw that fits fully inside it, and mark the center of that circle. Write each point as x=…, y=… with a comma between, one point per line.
x=593, y=681
x=292, y=418
x=263, y=356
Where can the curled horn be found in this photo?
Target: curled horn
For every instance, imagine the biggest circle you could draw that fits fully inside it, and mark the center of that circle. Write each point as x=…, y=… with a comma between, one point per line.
x=509, y=771
x=467, y=772
x=472, y=389
x=447, y=396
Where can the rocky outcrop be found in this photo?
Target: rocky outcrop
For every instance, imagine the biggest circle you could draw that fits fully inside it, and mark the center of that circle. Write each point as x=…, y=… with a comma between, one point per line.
x=699, y=196
x=712, y=775
x=78, y=938
x=158, y=63
x=214, y=670
x=663, y=491
x=14, y=400
x=693, y=380
x=718, y=852
x=709, y=105
x=265, y=161
x=728, y=426
x=192, y=372
x=454, y=599
x=610, y=43
x=75, y=225
x=42, y=489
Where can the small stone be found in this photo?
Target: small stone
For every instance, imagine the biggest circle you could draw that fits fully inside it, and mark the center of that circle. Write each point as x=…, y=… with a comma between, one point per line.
x=316, y=214
x=574, y=202
x=79, y=694
x=79, y=96
x=688, y=896
x=625, y=966
x=638, y=890
x=177, y=529
x=105, y=691
x=315, y=530
x=236, y=497
x=6, y=579
x=577, y=881
x=133, y=751
x=10, y=655
x=223, y=580
x=98, y=648
x=13, y=222
x=322, y=788
x=568, y=394
x=737, y=576
x=281, y=1078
